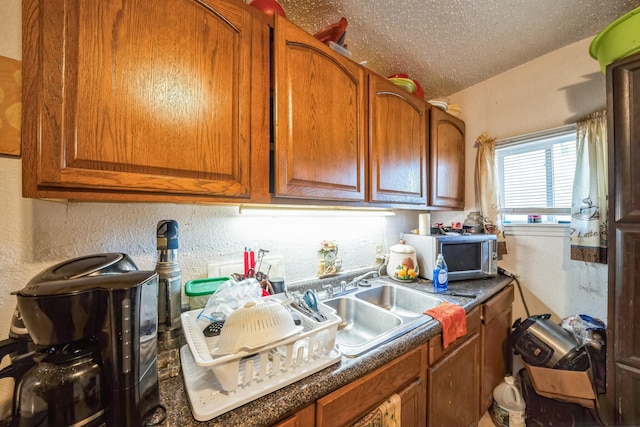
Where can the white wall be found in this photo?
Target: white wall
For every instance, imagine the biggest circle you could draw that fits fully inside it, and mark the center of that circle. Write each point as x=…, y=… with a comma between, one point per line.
x=551, y=91
x=39, y=233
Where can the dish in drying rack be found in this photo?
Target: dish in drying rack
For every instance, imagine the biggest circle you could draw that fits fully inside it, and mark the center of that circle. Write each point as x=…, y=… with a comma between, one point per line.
x=255, y=325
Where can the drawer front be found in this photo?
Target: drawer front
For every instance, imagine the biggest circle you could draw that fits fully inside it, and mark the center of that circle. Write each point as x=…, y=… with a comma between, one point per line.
x=497, y=305
x=437, y=350
x=356, y=399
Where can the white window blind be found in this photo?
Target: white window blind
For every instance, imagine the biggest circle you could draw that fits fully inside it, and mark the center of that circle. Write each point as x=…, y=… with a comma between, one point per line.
x=535, y=174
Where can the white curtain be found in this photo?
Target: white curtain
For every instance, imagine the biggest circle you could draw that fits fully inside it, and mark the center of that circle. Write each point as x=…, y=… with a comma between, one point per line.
x=590, y=191
x=488, y=188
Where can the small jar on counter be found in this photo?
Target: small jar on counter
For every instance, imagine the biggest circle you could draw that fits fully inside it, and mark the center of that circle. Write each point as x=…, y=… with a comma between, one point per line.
x=473, y=223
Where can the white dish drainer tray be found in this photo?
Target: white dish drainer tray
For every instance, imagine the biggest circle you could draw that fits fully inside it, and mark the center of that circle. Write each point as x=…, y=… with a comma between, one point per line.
x=217, y=384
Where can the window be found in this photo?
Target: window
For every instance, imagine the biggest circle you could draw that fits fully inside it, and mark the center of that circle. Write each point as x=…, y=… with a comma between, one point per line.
x=535, y=174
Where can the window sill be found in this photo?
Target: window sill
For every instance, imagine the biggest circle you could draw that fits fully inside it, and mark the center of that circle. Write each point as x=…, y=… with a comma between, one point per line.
x=547, y=230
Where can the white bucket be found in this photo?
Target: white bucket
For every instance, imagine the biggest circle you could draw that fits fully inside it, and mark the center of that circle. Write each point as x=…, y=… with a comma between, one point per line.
x=508, y=408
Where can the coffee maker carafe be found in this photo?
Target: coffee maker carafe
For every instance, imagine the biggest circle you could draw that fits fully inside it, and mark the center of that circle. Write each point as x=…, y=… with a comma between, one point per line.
x=93, y=321
x=62, y=387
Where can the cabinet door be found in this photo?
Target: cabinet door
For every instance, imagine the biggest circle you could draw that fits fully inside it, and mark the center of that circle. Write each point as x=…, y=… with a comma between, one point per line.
x=624, y=132
x=623, y=357
x=624, y=322
x=147, y=96
x=413, y=399
x=447, y=147
x=318, y=119
x=494, y=342
x=397, y=144
x=453, y=387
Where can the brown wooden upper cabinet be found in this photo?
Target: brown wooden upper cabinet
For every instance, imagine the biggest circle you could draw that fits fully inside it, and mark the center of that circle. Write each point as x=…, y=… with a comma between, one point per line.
x=322, y=105
x=149, y=100
x=145, y=100
x=447, y=160
x=398, y=129
x=319, y=126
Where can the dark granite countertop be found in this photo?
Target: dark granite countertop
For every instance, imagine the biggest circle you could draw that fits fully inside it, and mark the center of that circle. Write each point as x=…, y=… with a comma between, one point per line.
x=277, y=405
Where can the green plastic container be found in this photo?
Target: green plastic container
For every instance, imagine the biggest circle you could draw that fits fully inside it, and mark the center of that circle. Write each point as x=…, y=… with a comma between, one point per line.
x=200, y=290
x=618, y=40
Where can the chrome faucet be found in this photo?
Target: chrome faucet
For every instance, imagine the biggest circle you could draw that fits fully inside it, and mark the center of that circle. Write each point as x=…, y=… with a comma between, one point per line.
x=344, y=285
x=328, y=290
x=331, y=292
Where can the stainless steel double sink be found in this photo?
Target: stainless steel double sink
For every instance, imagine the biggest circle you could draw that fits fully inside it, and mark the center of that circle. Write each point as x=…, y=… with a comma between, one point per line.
x=371, y=316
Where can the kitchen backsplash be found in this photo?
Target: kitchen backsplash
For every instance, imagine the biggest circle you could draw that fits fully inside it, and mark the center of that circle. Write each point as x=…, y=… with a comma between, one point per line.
x=209, y=234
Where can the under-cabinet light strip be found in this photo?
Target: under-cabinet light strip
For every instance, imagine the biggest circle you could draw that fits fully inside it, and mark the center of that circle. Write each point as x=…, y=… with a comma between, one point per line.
x=311, y=211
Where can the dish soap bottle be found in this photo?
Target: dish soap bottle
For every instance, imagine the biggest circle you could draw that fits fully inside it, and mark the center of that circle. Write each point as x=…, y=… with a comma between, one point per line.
x=440, y=275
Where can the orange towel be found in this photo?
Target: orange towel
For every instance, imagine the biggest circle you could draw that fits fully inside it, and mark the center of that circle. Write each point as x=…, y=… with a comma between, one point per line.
x=453, y=319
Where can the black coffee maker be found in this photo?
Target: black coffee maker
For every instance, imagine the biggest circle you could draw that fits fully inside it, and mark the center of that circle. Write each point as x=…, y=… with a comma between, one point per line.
x=93, y=323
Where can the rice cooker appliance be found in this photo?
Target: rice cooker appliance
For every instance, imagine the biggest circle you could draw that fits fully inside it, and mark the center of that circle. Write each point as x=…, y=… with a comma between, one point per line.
x=92, y=359
x=542, y=342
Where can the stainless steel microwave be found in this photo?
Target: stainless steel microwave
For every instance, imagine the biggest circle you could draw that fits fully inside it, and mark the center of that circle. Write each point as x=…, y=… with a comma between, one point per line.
x=468, y=256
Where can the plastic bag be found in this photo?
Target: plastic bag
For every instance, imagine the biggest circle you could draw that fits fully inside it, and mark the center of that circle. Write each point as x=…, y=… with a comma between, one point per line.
x=228, y=297
x=586, y=329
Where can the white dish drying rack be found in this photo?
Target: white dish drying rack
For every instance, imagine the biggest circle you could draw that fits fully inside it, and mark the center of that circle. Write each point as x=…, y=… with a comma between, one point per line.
x=217, y=384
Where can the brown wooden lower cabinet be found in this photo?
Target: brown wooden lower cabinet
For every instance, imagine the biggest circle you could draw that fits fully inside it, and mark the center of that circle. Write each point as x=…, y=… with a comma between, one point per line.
x=494, y=342
x=462, y=377
x=351, y=402
x=437, y=386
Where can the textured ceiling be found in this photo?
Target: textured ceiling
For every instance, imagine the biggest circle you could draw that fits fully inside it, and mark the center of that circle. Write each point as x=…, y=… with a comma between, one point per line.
x=449, y=45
